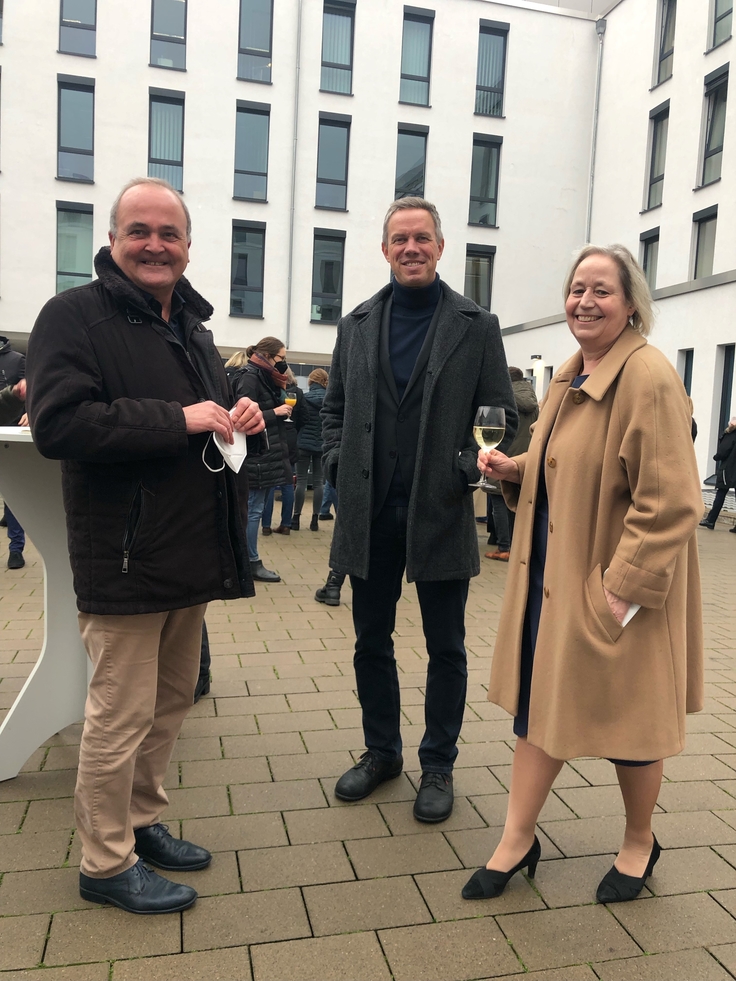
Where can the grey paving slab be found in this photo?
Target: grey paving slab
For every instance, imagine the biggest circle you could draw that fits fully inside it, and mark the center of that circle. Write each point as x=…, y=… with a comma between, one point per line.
x=372, y=904
x=676, y=922
x=231, y=921
x=450, y=951
x=407, y=854
x=293, y=865
x=321, y=959
x=683, y=965
x=228, y=964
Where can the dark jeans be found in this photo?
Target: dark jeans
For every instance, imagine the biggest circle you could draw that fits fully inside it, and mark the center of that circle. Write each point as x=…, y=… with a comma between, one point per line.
x=287, y=505
x=302, y=470
x=329, y=497
x=443, y=621
x=712, y=515
x=501, y=522
x=16, y=535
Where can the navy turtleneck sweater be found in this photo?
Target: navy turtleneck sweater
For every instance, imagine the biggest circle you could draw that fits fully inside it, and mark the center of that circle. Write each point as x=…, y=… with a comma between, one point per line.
x=411, y=314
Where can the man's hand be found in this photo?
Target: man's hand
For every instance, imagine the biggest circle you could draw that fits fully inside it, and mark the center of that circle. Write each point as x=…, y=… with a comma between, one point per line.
x=497, y=465
x=208, y=417
x=19, y=390
x=23, y=421
x=618, y=606
x=247, y=417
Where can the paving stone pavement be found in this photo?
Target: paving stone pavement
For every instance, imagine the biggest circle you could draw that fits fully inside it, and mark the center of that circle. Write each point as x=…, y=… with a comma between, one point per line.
x=303, y=886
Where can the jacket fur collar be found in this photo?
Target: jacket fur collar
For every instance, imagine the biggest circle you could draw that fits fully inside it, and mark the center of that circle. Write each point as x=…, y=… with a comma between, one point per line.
x=126, y=293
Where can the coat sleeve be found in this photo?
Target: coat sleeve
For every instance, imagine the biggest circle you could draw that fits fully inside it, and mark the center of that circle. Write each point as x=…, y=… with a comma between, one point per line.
x=333, y=413
x=70, y=417
x=666, y=504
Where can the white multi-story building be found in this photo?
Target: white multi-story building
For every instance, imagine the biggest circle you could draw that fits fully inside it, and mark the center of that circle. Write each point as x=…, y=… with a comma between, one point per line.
x=290, y=125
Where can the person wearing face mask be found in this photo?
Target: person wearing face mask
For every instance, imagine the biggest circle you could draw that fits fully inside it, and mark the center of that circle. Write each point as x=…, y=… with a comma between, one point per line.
x=263, y=379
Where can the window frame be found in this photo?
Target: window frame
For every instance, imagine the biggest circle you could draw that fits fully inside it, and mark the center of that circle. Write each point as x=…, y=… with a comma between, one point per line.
x=716, y=82
x=334, y=235
x=647, y=240
x=336, y=121
x=254, y=109
x=73, y=207
x=717, y=18
x=253, y=52
x=497, y=29
x=685, y=362
x=421, y=16
x=486, y=139
x=76, y=27
x=657, y=116
x=700, y=220
x=344, y=8
x=473, y=251
x=169, y=40
x=663, y=55
x=169, y=97
x=78, y=84
x=411, y=129
x=251, y=226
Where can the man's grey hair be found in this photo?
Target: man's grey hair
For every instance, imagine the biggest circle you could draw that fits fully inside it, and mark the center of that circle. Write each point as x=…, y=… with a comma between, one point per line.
x=404, y=204
x=157, y=182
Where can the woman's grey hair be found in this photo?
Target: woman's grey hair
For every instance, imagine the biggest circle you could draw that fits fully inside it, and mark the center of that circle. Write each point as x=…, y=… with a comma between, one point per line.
x=157, y=182
x=633, y=283
x=405, y=204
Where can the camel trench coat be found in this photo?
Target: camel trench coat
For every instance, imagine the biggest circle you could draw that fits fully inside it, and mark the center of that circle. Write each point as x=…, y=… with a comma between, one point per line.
x=624, y=503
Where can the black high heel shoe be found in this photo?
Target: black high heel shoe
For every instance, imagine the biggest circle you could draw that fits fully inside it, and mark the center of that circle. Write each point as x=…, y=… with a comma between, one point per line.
x=488, y=883
x=615, y=887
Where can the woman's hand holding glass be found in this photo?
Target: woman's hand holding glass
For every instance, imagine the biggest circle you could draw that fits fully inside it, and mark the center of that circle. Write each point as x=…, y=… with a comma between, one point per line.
x=498, y=466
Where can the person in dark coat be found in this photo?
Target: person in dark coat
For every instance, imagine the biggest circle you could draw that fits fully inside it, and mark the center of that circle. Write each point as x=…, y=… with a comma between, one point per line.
x=410, y=367
x=263, y=379
x=310, y=444
x=725, y=474
x=12, y=370
x=126, y=387
x=291, y=430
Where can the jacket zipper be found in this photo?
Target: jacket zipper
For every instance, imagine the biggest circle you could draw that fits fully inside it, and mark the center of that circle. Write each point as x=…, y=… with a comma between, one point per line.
x=132, y=525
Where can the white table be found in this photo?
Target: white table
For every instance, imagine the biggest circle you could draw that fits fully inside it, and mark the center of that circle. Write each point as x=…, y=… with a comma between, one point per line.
x=54, y=694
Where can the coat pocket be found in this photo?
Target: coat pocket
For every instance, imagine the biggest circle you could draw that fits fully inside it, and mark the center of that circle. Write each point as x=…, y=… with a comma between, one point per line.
x=133, y=525
x=599, y=604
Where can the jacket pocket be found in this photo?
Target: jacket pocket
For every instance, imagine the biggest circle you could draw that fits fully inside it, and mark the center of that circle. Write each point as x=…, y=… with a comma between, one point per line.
x=599, y=604
x=133, y=525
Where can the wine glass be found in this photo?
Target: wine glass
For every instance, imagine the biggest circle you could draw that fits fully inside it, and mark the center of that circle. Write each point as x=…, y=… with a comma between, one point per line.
x=488, y=429
x=289, y=399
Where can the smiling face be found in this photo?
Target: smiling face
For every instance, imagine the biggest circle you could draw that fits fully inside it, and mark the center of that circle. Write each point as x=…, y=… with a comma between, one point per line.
x=596, y=308
x=151, y=245
x=412, y=250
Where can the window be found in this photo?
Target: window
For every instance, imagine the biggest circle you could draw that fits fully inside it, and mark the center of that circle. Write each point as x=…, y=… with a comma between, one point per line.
x=254, y=50
x=1, y=21
x=337, y=47
x=716, y=90
x=479, y=274
x=705, y=241
x=73, y=245
x=416, y=55
x=76, y=161
x=246, y=270
x=685, y=368
x=660, y=123
x=649, y=255
x=491, y=68
x=411, y=154
x=484, y=179
x=251, y=151
x=329, y=251
x=722, y=21
x=166, y=137
x=169, y=34
x=332, y=161
x=668, y=11
x=727, y=356
x=77, y=27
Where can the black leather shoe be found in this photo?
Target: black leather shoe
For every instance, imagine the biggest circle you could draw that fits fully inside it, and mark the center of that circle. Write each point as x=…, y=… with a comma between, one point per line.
x=326, y=517
x=157, y=847
x=203, y=687
x=435, y=798
x=363, y=778
x=707, y=524
x=615, y=887
x=16, y=560
x=261, y=574
x=488, y=883
x=138, y=890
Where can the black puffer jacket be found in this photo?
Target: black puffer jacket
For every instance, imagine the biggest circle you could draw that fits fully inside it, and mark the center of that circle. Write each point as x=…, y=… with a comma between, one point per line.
x=12, y=364
x=272, y=468
x=310, y=435
x=726, y=459
x=150, y=528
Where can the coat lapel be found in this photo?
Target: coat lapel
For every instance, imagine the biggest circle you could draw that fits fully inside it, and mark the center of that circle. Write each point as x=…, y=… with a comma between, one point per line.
x=368, y=329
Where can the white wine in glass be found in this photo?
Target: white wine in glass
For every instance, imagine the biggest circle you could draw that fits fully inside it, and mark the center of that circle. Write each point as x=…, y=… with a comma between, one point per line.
x=488, y=429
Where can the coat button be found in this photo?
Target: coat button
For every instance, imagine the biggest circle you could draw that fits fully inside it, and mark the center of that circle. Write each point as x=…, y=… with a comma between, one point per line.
x=578, y=397
x=365, y=474
x=551, y=528
x=228, y=584
x=551, y=462
x=400, y=418
x=367, y=427
x=546, y=592
x=392, y=454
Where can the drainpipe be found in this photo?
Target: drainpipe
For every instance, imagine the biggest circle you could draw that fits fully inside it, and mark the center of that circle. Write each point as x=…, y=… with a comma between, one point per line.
x=600, y=29
x=287, y=338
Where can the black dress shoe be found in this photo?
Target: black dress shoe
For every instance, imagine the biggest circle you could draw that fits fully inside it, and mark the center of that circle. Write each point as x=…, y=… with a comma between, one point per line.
x=266, y=530
x=488, y=883
x=435, y=798
x=203, y=687
x=138, y=890
x=711, y=525
x=157, y=847
x=16, y=560
x=261, y=574
x=326, y=517
x=363, y=778
x=615, y=887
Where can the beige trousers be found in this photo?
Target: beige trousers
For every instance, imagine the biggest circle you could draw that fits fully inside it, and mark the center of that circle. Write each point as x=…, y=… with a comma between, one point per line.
x=145, y=671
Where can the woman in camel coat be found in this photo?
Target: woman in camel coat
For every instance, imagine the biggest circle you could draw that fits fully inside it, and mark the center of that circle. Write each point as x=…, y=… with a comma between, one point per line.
x=599, y=647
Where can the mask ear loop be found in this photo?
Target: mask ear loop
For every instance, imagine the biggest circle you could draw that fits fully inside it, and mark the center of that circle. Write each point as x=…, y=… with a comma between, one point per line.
x=211, y=469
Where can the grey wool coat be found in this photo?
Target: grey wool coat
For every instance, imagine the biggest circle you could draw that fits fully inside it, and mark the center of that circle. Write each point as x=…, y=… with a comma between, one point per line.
x=466, y=368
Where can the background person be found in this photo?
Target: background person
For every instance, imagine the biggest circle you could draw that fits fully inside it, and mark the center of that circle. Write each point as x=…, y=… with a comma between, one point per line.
x=12, y=371
x=291, y=431
x=607, y=502
x=725, y=474
x=310, y=445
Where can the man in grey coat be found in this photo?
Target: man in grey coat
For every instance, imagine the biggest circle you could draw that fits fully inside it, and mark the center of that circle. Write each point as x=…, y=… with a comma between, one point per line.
x=410, y=367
